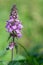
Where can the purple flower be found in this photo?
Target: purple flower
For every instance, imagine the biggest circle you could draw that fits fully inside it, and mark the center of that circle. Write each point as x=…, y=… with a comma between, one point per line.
x=20, y=26
x=14, y=24
x=11, y=20
x=17, y=31
x=8, y=24
x=17, y=22
x=11, y=17
x=11, y=45
x=14, y=27
x=10, y=30
x=19, y=35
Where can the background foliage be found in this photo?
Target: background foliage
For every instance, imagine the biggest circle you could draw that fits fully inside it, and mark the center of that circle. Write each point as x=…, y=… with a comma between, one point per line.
x=31, y=14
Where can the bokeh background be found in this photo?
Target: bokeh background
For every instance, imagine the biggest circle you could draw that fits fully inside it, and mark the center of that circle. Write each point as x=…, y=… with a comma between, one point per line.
x=31, y=14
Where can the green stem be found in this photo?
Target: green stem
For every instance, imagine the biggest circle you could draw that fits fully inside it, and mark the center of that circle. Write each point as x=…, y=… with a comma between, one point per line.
x=12, y=55
x=12, y=50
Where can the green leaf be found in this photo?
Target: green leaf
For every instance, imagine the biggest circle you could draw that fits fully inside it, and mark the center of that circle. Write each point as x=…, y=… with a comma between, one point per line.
x=13, y=63
x=17, y=60
x=19, y=57
x=1, y=63
x=17, y=63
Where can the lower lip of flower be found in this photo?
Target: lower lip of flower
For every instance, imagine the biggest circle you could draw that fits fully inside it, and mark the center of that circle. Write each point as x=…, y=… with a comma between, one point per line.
x=11, y=47
x=11, y=20
x=14, y=27
x=19, y=35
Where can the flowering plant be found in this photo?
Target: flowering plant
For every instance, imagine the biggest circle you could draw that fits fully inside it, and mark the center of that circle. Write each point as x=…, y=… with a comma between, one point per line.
x=13, y=27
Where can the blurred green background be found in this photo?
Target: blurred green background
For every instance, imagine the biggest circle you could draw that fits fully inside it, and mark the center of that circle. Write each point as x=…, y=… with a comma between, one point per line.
x=31, y=14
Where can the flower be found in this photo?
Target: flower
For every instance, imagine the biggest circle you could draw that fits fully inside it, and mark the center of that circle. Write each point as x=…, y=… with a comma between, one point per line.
x=9, y=27
x=17, y=31
x=11, y=20
x=20, y=26
x=14, y=27
x=19, y=35
x=11, y=17
x=14, y=24
x=11, y=45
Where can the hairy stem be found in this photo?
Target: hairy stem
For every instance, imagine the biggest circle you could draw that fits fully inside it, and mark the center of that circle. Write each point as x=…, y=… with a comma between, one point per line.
x=12, y=55
x=12, y=49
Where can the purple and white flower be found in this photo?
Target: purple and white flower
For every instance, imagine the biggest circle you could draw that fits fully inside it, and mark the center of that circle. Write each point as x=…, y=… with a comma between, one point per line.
x=11, y=45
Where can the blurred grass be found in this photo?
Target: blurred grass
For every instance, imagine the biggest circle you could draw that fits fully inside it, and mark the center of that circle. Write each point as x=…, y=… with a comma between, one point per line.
x=31, y=14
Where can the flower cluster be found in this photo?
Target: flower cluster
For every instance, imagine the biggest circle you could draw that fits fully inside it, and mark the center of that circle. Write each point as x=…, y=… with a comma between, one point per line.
x=14, y=24
x=14, y=27
x=11, y=45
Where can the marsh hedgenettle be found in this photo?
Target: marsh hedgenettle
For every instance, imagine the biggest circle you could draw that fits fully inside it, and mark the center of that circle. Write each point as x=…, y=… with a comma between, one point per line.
x=14, y=24
x=13, y=27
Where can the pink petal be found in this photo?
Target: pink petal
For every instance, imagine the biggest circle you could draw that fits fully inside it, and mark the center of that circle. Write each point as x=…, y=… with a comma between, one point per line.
x=17, y=31
x=11, y=20
x=14, y=27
